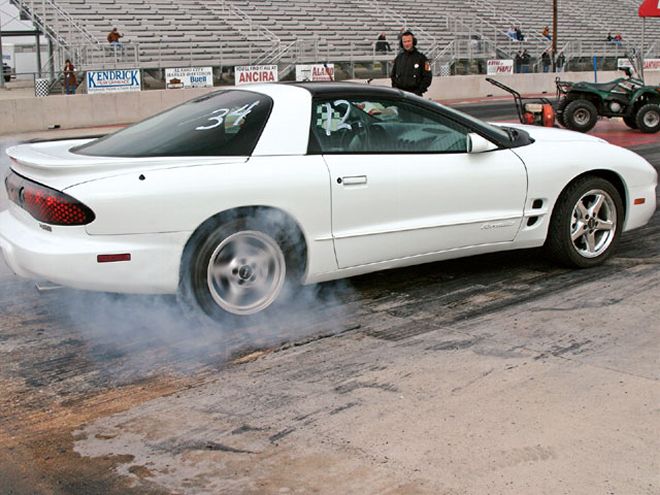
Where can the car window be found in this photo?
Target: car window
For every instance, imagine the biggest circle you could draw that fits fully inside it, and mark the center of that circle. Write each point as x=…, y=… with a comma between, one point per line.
x=225, y=123
x=358, y=125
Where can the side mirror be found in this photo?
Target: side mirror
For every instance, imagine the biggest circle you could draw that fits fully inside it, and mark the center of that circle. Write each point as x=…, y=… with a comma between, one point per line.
x=479, y=144
x=627, y=71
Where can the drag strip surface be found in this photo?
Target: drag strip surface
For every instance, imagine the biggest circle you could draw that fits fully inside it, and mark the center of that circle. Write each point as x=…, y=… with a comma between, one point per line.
x=494, y=374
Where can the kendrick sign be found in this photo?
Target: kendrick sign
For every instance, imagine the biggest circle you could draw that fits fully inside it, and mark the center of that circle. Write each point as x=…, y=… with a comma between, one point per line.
x=248, y=74
x=113, y=81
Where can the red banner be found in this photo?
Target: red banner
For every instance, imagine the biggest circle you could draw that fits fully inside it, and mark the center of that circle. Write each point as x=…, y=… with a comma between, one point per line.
x=650, y=8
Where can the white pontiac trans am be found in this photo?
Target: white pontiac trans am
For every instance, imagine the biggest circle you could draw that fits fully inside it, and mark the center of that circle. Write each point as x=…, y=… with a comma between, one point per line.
x=229, y=199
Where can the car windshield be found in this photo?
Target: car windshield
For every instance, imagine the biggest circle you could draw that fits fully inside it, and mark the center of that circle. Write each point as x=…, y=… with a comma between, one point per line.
x=224, y=123
x=498, y=131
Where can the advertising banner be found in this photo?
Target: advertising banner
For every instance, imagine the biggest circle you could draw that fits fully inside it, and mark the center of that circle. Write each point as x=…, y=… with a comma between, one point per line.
x=189, y=77
x=500, y=67
x=8, y=54
x=649, y=8
x=248, y=74
x=315, y=72
x=650, y=64
x=113, y=81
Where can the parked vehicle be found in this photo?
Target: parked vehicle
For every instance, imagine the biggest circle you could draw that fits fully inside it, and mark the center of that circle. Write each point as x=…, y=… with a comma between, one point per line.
x=580, y=104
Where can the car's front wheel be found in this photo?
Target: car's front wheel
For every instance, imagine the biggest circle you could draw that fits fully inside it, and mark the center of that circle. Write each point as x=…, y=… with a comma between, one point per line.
x=580, y=115
x=648, y=118
x=586, y=223
x=241, y=267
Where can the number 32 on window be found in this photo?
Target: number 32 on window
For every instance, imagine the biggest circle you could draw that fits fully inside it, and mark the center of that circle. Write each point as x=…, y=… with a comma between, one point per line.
x=342, y=124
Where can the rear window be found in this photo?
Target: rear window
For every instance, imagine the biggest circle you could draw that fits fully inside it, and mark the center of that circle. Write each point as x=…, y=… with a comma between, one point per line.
x=224, y=123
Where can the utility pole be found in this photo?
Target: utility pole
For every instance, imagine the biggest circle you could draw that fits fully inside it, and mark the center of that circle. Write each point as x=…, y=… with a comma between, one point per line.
x=554, y=34
x=2, y=79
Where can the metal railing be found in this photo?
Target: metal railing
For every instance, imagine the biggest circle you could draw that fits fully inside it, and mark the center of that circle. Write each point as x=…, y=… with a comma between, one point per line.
x=241, y=22
x=97, y=56
x=504, y=19
x=384, y=12
x=55, y=22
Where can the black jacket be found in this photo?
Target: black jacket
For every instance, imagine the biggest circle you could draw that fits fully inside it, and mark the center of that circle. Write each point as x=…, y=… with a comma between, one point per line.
x=411, y=72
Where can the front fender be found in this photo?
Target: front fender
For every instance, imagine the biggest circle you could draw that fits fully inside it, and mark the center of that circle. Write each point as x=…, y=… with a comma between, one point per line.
x=649, y=94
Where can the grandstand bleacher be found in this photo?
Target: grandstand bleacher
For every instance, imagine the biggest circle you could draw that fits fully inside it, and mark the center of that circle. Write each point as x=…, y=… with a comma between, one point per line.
x=161, y=33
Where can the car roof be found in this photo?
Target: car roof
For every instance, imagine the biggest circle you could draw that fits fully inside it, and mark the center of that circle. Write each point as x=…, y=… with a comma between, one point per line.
x=323, y=88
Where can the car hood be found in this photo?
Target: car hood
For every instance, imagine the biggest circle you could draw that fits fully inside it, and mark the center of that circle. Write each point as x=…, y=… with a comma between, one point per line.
x=555, y=134
x=52, y=163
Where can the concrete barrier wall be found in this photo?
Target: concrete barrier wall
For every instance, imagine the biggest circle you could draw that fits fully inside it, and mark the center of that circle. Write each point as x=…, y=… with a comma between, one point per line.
x=77, y=111
x=458, y=87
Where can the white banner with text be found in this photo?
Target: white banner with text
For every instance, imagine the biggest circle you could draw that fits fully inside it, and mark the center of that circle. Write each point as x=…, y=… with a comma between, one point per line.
x=113, y=81
x=189, y=77
x=250, y=74
x=500, y=67
x=315, y=72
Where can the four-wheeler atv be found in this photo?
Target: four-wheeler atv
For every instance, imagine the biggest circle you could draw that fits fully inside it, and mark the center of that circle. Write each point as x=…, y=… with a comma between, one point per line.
x=580, y=104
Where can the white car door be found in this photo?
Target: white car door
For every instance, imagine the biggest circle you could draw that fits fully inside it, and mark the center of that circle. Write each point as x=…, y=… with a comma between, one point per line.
x=403, y=184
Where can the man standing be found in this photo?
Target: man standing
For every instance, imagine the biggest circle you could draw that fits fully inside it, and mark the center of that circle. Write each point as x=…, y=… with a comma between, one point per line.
x=412, y=70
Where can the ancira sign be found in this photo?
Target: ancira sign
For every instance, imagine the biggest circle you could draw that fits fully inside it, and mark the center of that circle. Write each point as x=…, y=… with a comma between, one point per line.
x=250, y=74
x=315, y=72
x=495, y=67
x=189, y=77
x=113, y=81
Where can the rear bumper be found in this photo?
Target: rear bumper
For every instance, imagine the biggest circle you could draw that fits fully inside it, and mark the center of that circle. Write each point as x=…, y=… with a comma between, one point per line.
x=68, y=256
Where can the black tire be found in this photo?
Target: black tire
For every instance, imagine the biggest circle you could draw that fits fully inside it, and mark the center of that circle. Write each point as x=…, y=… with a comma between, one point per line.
x=595, y=244
x=648, y=118
x=7, y=78
x=580, y=115
x=561, y=109
x=235, y=289
x=630, y=121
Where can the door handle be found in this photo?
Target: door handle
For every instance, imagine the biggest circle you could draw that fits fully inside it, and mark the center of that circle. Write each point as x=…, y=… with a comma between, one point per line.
x=352, y=180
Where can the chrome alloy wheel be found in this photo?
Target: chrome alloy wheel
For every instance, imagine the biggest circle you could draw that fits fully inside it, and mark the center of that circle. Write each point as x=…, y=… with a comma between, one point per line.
x=651, y=118
x=582, y=116
x=246, y=272
x=593, y=223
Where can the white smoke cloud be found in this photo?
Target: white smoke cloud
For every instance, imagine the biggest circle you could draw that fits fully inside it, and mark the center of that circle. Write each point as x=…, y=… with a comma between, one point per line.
x=131, y=337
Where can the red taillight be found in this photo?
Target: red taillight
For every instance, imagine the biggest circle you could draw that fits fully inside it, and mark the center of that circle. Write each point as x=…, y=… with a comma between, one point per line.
x=45, y=204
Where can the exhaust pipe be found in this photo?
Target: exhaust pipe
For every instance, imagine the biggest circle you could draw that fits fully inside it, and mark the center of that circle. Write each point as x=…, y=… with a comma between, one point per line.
x=45, y=286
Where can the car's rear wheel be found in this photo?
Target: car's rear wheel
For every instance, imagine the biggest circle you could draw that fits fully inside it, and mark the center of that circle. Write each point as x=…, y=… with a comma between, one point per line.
x=586, y=223
x=240, y=267
x=580, y=115
x=648, y=118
